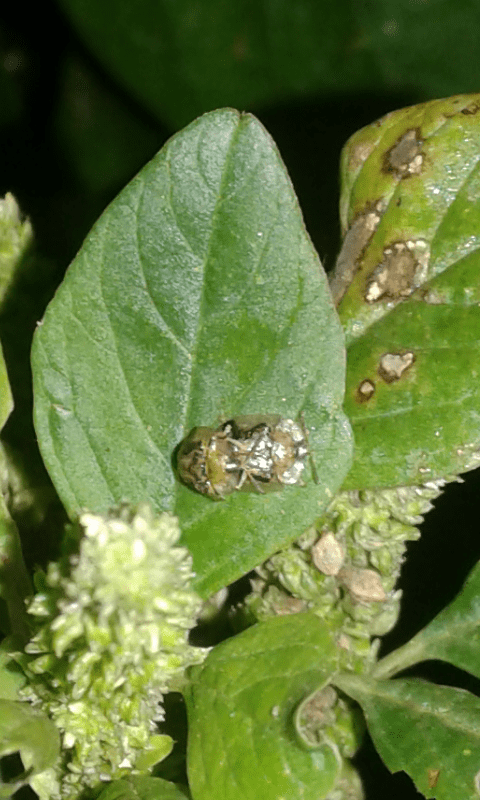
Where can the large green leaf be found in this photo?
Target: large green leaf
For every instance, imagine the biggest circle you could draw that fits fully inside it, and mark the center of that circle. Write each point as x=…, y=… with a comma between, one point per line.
x=241, y=704
x=431, y=732
x=181, y=59
x=454, y=635
x=197, y=296
x=408, y=288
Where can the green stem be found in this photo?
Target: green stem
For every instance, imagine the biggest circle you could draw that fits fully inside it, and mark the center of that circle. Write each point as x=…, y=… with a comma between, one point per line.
x=411, y=653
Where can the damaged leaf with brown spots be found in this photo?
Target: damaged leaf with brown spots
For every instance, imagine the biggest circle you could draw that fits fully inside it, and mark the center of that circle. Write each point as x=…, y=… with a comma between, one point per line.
x=407, y=288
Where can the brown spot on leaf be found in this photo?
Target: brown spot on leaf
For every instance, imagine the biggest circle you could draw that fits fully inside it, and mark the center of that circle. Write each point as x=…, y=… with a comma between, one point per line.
x=472, y=109
x=433, y=776
x=400, y=272
x=431, y=297
x=354, y=243
x=405, y=157
x=393, y=365
x=315, y=713
x=365, y=391
x=359, y=154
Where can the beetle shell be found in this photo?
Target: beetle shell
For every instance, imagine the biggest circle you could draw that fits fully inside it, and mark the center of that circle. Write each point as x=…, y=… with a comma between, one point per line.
x=276, y=451
x=290, y=451
x=205, y=463
x=254, y=452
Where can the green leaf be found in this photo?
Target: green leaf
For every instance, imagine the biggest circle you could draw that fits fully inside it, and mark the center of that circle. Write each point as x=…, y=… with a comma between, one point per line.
x=454, y=635
x=431, y=732
x=12, y=679
x=6, y=400
x=142, y=788
x=408, y=292
x=197, y=297
x=242, y=742
x=24, y=730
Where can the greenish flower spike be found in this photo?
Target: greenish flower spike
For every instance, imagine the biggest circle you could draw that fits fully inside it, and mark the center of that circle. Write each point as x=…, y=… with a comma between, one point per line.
x=112, y=620
x=346, y=566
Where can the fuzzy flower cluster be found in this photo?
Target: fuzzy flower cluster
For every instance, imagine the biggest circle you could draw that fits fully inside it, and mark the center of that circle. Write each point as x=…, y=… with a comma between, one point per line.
x=346, y=566
x=111, y=622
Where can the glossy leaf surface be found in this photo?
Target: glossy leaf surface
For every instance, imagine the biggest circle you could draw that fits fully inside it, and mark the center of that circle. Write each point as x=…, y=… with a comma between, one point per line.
x=431, y=732
x=408, y=289
x=242, y=740
x=196, y=297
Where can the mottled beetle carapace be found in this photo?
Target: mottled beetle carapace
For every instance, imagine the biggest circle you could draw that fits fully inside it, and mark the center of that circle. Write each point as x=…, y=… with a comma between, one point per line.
x=252, y=452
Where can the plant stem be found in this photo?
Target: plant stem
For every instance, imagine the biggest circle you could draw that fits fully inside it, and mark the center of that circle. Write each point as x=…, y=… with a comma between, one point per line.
x=411, y=653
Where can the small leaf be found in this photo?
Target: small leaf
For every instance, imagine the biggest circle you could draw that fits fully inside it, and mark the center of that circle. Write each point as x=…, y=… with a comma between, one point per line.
x=6, y=400
x=196, y=297
x=431, y=732
x=142, y=788
x=12, y=679
x=242, y=741
x=408, y=292
x=24, y=730
x=454, y=635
